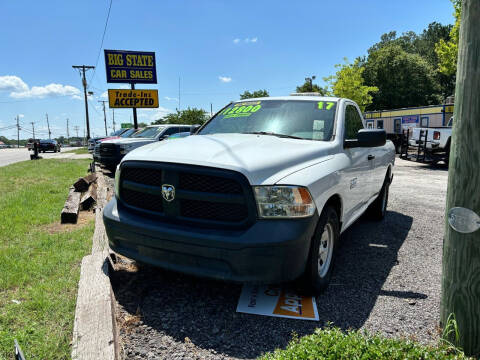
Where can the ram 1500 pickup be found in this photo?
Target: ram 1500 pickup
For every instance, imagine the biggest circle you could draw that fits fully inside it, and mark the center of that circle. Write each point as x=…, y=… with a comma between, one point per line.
x=260, y=193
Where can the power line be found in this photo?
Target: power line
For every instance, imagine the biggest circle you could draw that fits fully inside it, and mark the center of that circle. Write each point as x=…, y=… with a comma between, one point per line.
x=103, y=37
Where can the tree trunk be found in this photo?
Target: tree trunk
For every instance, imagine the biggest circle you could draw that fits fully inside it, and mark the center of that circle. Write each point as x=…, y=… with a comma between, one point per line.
x=461, y=252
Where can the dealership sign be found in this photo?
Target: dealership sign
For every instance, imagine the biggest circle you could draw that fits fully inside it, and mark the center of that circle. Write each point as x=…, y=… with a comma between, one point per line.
x=275, y=301
x=130, y=67
x=126, y=98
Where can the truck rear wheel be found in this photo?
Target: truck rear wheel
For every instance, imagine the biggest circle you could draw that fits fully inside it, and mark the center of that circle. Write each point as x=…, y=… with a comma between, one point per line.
x=378, y=208
x=322, y=252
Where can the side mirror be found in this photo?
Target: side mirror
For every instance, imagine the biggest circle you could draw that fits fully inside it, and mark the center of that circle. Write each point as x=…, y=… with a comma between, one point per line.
x=164, y=137
x=367, y=138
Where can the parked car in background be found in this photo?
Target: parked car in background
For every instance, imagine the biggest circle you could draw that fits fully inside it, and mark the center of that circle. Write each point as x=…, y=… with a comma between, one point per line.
x=438, y=139
x=261, y=192
x=114, y=135
x=129, y=133
x=113, y=151
x=49, y=145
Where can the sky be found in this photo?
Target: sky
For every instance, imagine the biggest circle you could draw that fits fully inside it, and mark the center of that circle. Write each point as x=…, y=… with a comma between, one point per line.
x=218, y=49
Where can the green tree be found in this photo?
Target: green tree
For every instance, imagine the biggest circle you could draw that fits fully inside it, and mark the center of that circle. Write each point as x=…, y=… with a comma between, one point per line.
x=309, y=86
x=190, y=116
x=348, y=82
x=403, y=79
x=447, y=50
x=249, y=95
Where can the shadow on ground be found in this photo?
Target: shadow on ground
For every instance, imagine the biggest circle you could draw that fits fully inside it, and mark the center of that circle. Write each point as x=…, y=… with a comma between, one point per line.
x=204, y=310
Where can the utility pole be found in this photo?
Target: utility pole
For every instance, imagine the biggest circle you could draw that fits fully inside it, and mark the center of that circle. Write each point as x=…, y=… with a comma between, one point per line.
x=33, y=129
x=309, y=81
x=135, y=123
x=76, y=130
x=461, y=245
x=18, y=133
x=48, y=125
x=68, y=134
x=83, y=69
x=104, y=115
x=113, y=119
x=211, y=110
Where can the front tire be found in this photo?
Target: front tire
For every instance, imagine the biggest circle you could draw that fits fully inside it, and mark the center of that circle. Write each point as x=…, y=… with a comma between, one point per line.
x=322, y=252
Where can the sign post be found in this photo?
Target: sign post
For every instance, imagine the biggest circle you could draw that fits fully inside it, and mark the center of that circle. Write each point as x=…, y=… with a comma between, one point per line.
x=130, y=67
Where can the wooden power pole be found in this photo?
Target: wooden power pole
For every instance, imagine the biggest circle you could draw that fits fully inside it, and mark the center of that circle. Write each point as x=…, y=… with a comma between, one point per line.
x=461, y=250
x=83, y=69
x=104, y=115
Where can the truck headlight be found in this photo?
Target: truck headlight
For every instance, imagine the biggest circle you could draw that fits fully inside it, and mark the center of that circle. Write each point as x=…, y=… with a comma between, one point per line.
x=117, y=182
x=124, y=149
x=283, y=201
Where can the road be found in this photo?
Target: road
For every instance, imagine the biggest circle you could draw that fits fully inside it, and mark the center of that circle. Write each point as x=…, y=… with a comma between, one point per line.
x=10, y=156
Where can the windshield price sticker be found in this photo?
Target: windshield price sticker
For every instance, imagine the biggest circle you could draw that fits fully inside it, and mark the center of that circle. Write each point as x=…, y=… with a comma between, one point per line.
x=241, y=110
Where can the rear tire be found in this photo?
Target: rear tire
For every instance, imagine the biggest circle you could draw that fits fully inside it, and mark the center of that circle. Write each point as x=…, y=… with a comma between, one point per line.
x=322, y=253
x=378, y=208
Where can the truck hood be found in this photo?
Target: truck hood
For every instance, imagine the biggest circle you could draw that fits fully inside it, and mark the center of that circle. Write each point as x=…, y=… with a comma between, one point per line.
x=262, y=159
x=132, y=141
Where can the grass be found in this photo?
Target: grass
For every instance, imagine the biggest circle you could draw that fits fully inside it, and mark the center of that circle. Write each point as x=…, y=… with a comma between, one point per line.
x=39, y=269
x=82, y=150
x=333, y=343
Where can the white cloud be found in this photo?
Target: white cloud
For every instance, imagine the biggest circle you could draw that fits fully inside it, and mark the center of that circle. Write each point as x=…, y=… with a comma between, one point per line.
x=21, y=116
x=225, y=79
x=19, y=89
x=170, y=98
x=12, y=83
x=104, y=95
x=251, y=40
x=236, y=41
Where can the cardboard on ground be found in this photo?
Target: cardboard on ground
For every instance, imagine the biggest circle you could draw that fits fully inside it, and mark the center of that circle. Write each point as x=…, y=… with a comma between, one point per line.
x=274, y=301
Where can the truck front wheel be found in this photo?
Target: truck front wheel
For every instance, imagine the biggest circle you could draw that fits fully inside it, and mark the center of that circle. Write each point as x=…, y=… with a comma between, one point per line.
x=322, y=252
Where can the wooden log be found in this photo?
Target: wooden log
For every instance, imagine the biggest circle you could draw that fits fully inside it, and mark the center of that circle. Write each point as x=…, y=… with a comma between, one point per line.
x=89, y=197
x=82, y=184
x=94, y=329
x=70, y=210
x=461, y=251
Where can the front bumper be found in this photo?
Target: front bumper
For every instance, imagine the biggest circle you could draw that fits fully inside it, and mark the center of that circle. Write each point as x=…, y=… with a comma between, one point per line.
x=269, y=251
x=110, y=160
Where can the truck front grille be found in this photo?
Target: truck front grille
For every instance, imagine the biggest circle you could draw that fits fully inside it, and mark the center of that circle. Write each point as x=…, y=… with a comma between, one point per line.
x=203, y=195
x=107, y=149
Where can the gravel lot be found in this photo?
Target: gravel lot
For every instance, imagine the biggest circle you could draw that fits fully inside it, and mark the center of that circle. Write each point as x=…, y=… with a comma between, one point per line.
x=387, y=279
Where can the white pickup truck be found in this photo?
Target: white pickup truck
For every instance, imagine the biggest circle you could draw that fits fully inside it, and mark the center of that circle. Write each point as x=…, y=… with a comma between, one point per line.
x=438, y=138
x=261, y=192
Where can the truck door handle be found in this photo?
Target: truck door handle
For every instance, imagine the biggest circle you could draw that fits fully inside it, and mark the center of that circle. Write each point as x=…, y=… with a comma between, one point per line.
x=371, y=157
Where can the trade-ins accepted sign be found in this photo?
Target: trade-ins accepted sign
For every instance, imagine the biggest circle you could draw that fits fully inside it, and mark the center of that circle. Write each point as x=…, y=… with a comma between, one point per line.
x=125, y=98
x=124, y=66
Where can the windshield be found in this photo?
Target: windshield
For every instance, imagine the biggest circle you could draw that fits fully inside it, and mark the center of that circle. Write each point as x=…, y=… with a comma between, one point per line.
x=305, y=119
x=149, y=132
x=128, y=133
x=117, y=133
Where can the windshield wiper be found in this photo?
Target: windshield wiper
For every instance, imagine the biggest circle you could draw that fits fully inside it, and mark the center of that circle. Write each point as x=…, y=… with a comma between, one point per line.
x=274, y=134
